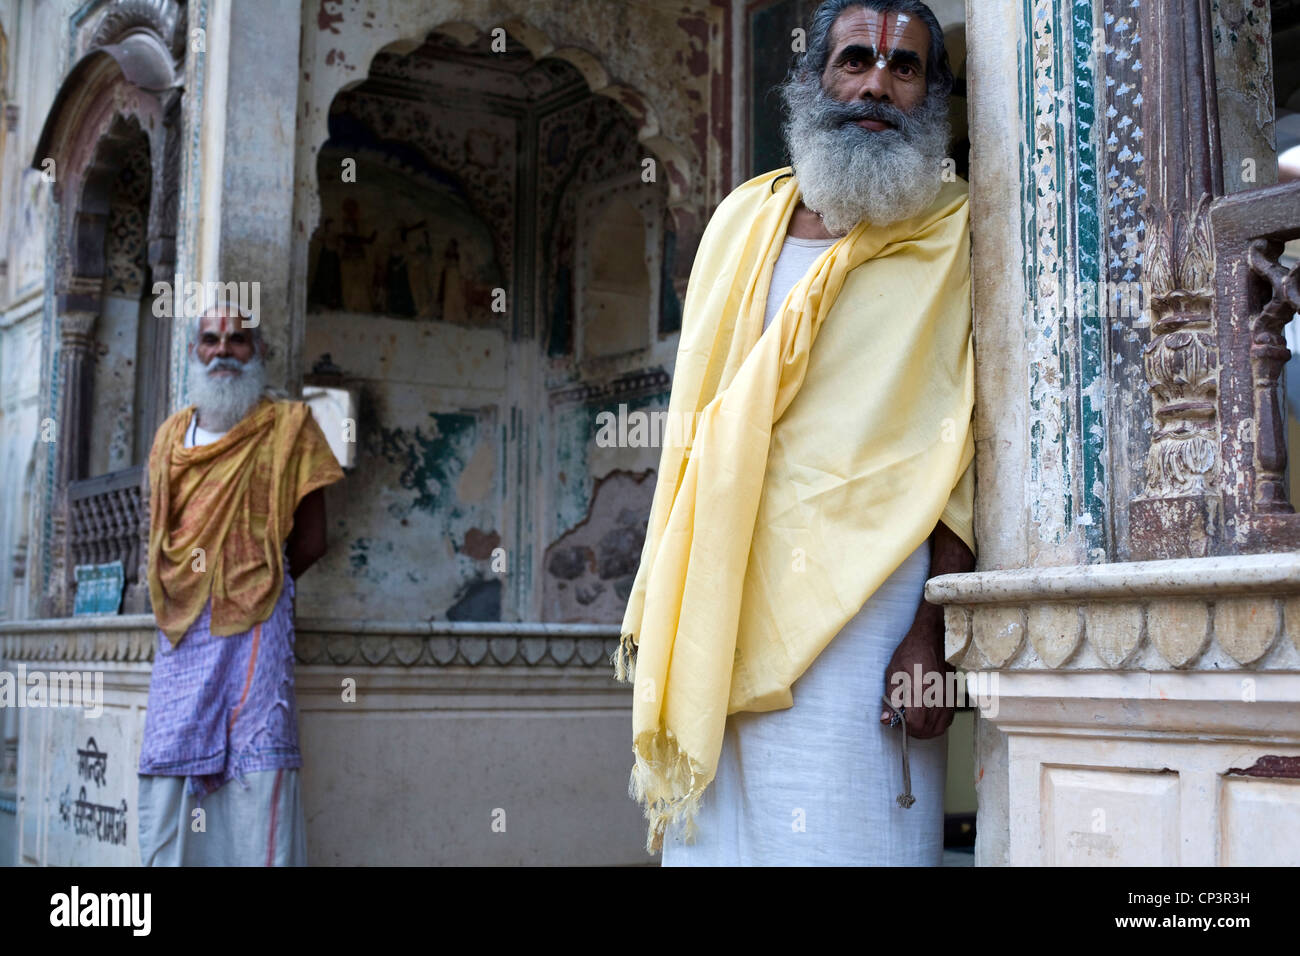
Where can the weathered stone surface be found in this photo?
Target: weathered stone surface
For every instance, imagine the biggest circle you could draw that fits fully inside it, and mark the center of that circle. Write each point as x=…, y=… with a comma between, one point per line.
x=341, y=649
x=503, y=649
x=473, y=649
x=375, y=649
x=1180, y=630
x=1114, y=630
x=998, y=632
x=1055, y=631
x=408, y=649
x=956, y=632
x=590, y=651
x=1291, y=619
x=1170, y=598
x=1246, y=627
x=308, y=647
x=532, y=649
x=443, y=649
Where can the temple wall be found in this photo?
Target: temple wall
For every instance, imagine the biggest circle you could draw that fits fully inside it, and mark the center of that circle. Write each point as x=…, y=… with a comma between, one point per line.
x=484, y=490
x=477, y=429
x=28, y=82
x=31, y=81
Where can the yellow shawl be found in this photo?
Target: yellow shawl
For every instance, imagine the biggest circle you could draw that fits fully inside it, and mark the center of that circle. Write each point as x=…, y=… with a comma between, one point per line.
x=802, y=477
x=235, y=500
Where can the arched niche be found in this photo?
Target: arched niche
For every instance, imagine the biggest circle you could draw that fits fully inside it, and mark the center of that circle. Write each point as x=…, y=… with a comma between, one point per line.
x=675, y=161
x=454, y=171
x=120, y=102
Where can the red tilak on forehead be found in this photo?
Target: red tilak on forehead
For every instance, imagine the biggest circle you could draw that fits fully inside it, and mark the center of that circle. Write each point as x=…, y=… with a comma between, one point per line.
x=884, y=25
x=222, y=326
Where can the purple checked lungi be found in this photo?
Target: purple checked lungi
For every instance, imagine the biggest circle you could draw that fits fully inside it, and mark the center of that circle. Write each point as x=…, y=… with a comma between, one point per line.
x=221, y=707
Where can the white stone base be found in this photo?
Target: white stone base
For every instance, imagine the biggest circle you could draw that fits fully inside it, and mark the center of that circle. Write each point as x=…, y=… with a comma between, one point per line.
x=1135, y=769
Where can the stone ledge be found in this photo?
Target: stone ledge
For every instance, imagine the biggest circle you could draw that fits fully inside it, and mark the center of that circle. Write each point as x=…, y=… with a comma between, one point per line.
x=1201, y=613
x=1245, y=575
x=334, y=642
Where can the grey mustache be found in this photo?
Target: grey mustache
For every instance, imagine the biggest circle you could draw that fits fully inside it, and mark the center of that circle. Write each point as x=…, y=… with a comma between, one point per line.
x=872, y=111
x=219, y=363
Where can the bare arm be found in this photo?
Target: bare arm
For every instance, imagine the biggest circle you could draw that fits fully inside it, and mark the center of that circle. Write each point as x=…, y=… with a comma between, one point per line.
x=307, y=539
x=923, y=643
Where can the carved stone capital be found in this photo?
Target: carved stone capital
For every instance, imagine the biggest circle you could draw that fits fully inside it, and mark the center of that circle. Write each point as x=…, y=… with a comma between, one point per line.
x=76, y=330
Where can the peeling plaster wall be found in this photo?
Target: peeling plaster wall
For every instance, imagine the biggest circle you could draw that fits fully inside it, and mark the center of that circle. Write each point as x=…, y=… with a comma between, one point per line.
x=591, y=568
x=476, y=433
x=20, y=353
x=427, y=479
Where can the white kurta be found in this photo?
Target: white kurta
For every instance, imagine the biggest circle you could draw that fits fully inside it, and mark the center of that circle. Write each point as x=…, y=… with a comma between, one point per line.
x=816, y=784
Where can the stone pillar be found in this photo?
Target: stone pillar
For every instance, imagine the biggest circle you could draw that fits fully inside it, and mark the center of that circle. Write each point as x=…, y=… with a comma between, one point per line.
x=76, y=338
x=256, y=189
x=1138, y=712
x=1177, y=512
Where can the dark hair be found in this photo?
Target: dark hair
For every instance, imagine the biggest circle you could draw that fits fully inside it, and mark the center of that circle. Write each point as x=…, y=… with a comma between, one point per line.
x=938, y=73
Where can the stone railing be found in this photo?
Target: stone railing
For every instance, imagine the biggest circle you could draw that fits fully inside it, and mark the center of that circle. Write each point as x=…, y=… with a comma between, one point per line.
x=1228, y=613
x=119, y=638
x=108, y=520
x=1255, y=296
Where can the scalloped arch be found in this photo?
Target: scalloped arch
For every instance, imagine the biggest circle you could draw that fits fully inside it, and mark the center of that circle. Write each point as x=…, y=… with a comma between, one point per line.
x=671, y=156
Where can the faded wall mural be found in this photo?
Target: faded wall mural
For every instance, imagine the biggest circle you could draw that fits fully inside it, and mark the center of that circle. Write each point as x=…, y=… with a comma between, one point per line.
x=427, y=211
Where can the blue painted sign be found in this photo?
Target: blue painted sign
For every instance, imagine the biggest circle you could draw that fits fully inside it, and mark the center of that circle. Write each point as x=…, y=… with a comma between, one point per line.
x=99, y=588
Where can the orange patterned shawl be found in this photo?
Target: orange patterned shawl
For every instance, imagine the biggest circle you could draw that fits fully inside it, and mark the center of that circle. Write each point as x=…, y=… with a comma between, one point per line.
x=235, y=500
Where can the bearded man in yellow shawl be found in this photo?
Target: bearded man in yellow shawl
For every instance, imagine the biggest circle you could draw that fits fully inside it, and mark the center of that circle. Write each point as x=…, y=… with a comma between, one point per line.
x=822, y=471
x=236, y=514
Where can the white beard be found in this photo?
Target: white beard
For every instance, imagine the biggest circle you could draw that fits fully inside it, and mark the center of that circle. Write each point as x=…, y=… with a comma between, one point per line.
x=849, y=174
x=223, y=402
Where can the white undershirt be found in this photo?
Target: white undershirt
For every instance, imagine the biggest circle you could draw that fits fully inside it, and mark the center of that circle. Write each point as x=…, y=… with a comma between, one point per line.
x=194, y=435
x=797, y=257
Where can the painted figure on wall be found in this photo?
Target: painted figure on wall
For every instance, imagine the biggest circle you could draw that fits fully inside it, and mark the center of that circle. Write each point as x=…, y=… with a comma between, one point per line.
x=401, y=300
x=436, y=261
x=354, y=256
x=326, y=290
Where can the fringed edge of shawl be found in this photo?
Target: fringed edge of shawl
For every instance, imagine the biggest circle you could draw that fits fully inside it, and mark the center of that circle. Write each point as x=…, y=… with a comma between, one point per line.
x=668, y=784
x=664, y=779
x=624, y=659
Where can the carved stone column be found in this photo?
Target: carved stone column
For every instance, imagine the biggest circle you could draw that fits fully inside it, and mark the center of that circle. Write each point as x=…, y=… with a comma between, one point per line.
x=76, y=337
x=1178, y=512
x=1135, y=711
